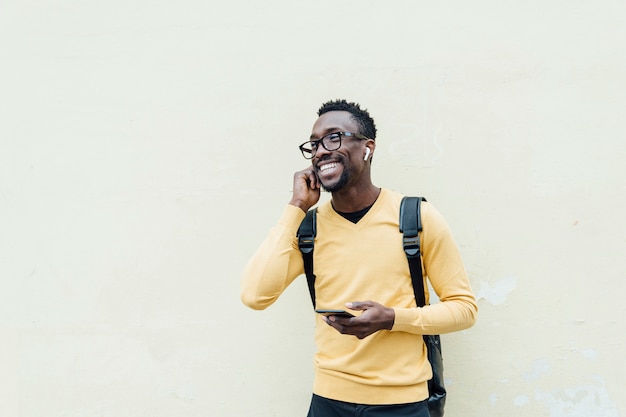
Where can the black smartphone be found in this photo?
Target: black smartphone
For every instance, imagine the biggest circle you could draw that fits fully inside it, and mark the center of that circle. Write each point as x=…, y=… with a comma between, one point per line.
x=338, y=313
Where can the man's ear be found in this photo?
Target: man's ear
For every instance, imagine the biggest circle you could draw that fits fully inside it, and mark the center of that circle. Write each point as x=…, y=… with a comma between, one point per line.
x=370, y=146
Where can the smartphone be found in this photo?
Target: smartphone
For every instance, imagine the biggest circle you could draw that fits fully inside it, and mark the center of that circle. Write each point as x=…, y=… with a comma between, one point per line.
x=338, y=313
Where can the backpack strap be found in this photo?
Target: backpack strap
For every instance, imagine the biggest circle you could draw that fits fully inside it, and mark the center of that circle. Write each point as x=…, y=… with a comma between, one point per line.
x=410, y=226
x=306, y=241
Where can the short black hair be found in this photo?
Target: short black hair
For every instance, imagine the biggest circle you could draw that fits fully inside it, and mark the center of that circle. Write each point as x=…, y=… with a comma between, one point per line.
x=360, y=116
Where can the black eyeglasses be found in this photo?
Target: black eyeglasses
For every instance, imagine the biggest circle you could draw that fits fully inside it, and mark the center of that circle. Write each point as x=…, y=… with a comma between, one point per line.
x=330, y=142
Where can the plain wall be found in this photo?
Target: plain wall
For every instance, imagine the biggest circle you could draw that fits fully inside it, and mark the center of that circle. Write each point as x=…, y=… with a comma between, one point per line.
x=147, y=147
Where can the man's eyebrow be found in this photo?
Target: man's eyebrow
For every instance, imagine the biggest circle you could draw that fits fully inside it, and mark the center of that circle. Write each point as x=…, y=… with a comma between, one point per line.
x=328, y=131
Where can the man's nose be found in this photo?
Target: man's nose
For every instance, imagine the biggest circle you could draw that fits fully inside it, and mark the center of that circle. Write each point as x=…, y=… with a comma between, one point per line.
x=321, y=151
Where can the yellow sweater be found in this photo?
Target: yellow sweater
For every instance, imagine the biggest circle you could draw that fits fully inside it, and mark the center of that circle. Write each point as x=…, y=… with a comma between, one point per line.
x=366, y=261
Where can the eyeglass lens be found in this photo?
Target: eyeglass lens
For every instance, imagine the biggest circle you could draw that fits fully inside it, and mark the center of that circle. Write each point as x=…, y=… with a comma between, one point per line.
x=330, y=142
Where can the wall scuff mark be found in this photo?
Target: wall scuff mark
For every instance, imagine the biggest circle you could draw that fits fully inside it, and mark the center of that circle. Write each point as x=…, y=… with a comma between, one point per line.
x=584, y=401
x=498, y=293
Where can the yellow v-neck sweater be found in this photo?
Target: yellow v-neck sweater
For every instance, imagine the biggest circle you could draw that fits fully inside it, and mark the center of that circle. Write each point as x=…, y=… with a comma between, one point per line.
x=366, y=261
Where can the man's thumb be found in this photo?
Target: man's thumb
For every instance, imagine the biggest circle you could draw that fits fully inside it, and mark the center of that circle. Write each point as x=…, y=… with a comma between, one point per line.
x=358, y=305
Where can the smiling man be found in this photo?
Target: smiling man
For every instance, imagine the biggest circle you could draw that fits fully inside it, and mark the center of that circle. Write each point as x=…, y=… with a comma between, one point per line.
x=373, y=364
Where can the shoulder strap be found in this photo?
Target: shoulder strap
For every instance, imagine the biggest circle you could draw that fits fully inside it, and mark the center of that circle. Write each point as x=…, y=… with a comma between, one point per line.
x=306, y=242
x=410, y=226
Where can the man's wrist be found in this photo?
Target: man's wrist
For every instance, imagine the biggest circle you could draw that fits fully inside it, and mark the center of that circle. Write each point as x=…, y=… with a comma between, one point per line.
x=391, y=313
x=300, y=204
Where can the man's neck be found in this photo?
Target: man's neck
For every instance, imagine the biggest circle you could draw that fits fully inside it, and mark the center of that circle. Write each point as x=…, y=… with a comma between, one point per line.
x=354, y=199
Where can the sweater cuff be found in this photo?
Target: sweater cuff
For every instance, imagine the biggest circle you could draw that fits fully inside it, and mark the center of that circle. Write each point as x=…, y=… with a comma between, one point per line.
x=292, y=217
x=406, y=319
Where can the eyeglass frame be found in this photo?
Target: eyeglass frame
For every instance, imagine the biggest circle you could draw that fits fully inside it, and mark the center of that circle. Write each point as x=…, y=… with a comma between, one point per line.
x=315, y=143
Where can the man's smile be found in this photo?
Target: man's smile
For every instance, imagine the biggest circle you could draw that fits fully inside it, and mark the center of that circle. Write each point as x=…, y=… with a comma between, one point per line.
x=325, y=166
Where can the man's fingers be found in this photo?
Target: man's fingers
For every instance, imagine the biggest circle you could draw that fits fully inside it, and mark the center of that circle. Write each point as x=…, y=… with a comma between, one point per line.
x=313, y=181
x=306, y=189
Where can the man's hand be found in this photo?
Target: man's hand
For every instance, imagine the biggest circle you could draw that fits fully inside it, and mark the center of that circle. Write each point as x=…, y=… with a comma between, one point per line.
x=306, y=189
x=375, y=317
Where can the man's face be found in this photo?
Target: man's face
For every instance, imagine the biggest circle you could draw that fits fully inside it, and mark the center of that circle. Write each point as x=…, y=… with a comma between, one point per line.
x=338, y=168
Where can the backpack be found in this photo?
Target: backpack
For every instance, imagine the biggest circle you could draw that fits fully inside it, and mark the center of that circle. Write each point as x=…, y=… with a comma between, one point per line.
x=410, y=226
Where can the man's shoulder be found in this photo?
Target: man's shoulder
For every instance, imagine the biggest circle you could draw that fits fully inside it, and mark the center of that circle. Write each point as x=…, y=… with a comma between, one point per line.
x=394, y=198
x=391, y=194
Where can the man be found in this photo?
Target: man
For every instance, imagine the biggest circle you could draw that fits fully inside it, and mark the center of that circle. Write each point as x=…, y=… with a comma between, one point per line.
x=374, y=364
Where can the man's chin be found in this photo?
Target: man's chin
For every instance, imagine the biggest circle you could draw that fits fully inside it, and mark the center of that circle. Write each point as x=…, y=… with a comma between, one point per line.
x=335, y=186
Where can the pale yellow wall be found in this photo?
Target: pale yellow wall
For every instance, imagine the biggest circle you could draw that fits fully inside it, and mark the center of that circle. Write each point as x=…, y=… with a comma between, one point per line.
x=146, y=148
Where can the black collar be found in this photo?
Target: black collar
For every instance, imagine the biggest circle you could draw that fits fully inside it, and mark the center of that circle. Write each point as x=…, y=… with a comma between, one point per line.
x=355, y=216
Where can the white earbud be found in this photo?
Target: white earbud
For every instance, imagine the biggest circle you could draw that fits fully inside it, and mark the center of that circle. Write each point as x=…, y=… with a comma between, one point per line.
x=367, y=154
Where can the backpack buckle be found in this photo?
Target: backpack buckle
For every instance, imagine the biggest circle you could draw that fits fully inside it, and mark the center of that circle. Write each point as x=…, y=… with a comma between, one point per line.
x=411, y=246
x=306, y=243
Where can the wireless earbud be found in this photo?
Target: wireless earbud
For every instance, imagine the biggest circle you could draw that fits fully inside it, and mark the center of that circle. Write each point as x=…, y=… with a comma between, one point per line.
x=367, y=154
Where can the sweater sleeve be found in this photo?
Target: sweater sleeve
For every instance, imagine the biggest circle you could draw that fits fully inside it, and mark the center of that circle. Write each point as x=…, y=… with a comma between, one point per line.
x=275, y=264
x=442, y=264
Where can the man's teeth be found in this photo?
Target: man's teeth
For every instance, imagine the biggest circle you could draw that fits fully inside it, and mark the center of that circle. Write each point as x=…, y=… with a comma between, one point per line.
x=328, y=166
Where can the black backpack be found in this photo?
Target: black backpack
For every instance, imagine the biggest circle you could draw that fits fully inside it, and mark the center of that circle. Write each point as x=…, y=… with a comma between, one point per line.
x=410, y=226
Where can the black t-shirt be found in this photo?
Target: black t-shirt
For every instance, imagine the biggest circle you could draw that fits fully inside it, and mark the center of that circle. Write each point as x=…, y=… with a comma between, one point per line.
x=354, y=217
